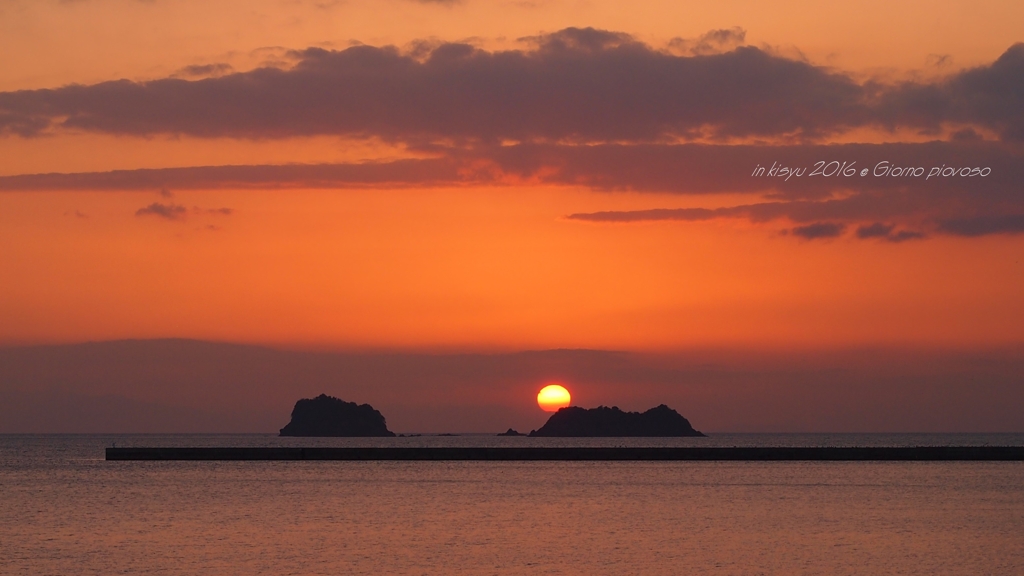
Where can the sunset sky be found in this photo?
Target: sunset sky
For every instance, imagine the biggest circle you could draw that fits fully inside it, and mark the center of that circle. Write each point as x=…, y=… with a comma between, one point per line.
x=460, y=181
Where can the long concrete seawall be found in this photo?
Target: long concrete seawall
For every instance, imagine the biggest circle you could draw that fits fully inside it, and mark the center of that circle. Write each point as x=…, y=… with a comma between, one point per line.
x=922, y=453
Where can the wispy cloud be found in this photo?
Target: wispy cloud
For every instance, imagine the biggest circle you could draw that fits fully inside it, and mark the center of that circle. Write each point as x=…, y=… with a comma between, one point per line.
x=887, y=232
x=166, y=211
x=819, y=230
x=203, y=70
x=400, y=172
x=711, y=42
x=179, y=212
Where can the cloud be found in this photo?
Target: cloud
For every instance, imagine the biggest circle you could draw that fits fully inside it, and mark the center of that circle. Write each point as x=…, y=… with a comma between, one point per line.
x=179, y=212
x=819, y=230
x=574, y=85
x=807, y=210
x=939, y=60
x=989, y=96
x=966, y=135
x=876, y=230
x=684, y=214
x=167, y=211
x=904, y=235
x=885, y=232
x=984, y=225
x=711, y=42
x=204, y=70
x=399, y=172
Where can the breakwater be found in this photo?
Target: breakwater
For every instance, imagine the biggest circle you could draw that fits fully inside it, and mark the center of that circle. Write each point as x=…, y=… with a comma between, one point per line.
x=918, y=453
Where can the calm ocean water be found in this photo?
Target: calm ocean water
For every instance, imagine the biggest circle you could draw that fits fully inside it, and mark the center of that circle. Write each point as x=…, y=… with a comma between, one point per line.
x=64, y=510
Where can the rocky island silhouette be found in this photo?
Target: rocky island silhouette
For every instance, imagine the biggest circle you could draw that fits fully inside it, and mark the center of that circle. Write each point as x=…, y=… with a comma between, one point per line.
x=329, y=416
x=605, y=422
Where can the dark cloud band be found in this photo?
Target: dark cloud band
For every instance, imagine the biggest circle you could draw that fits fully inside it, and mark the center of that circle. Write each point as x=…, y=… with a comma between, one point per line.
x=576, y=85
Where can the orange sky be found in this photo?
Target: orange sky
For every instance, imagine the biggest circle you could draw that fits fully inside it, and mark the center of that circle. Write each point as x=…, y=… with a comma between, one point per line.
x=477, y=265
x=479, y=268
x=438, y=206
x=93, y=40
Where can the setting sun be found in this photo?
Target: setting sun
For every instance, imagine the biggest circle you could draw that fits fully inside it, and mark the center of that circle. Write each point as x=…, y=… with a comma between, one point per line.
x=552, y=397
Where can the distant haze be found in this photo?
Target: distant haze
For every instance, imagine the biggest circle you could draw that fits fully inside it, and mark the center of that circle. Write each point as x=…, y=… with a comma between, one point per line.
x=194, y=386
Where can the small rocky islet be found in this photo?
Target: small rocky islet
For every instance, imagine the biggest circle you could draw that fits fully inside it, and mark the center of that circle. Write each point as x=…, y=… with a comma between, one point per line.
x=660, y=421
x=329, y=416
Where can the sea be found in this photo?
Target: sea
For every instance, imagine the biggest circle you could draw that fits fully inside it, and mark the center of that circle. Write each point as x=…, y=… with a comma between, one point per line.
x=65, y=510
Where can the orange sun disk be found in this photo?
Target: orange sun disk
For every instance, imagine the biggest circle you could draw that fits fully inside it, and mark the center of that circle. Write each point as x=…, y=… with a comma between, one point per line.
x=552, y=397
